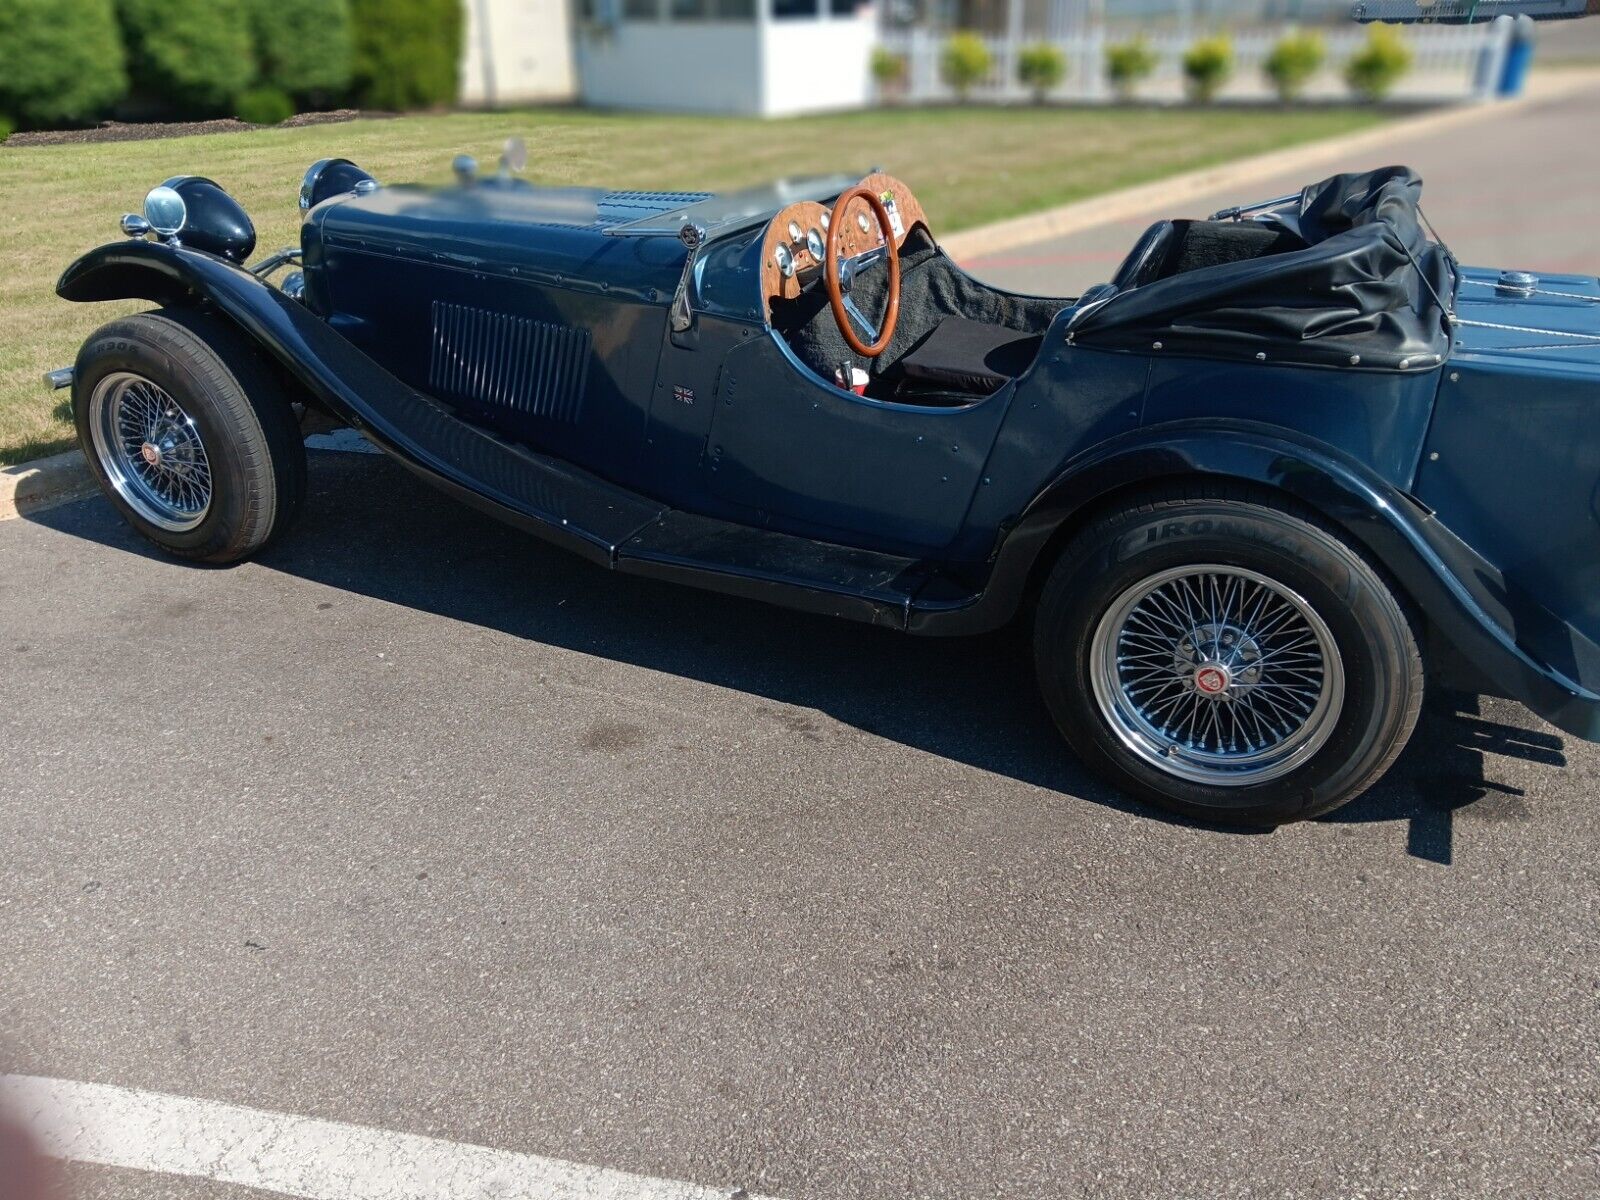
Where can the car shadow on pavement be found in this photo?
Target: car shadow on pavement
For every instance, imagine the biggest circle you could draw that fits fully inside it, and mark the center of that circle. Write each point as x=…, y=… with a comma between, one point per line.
x=1445, y=768
x=370, y=528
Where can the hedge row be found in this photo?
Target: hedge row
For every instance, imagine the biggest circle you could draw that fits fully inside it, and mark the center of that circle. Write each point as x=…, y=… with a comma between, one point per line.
x=71, y=62
x=966, y=62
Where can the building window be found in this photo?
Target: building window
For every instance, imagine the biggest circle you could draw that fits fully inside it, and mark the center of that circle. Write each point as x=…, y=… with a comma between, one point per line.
x=712, y=10
x=782, y=9
x=845, y=8
x=641, y=10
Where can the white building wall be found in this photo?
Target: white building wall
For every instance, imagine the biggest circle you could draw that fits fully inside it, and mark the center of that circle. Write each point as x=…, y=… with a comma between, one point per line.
x=517, y=52
x=763, y=67
x=814, y=66
x=700, y=66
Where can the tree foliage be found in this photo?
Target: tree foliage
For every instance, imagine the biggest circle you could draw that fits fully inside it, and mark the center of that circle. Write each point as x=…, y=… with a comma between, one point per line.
x=303, y=47
x=192, y=57
x=1207, y=65
x=61, y=61
x=1040, y=68
x=1292, y=63
x=406, y=52
x=965, y=62
x=1373, y=70
x=1128, y=64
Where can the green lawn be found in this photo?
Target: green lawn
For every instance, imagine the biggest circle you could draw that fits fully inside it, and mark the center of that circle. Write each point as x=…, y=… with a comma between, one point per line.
x=968, y=166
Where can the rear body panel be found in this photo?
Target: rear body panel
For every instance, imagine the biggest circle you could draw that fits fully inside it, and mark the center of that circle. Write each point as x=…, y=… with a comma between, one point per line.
x=1512, y=460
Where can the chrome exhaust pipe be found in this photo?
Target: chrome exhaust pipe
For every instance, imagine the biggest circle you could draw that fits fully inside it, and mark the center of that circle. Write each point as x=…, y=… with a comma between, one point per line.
x=60, y=378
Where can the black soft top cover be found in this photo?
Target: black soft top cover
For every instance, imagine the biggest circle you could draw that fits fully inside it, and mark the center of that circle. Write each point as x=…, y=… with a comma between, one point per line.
x=1351, y=293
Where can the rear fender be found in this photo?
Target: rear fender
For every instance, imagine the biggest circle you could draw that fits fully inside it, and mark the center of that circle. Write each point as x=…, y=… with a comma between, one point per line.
x=1464, y=597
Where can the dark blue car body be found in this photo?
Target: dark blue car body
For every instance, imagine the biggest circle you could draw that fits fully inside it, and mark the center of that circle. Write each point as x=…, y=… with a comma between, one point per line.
x=508, y=344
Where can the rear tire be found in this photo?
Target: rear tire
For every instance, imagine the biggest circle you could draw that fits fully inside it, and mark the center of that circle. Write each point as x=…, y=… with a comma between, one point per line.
x=1227, y=656
x=189, y=433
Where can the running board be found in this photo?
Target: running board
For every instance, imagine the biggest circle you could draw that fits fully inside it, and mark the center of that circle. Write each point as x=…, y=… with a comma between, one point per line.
x=600, y=521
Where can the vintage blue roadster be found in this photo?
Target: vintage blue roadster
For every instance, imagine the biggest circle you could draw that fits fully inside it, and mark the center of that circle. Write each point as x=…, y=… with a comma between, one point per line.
x=1244, y=491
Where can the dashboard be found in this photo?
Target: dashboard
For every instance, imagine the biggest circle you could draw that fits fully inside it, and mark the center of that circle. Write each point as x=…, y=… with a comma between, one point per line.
x=792, y=251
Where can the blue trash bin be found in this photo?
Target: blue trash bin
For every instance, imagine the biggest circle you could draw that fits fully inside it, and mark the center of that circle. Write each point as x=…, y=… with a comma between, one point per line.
x=1519, y=56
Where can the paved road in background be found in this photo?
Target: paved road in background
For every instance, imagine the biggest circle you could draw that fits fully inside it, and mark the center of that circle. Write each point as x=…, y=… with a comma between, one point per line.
x=1515, y=192
x=419, y=824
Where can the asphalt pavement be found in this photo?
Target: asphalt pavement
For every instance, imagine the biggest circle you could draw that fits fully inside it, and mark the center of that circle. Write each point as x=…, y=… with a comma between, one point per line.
x=418, y=824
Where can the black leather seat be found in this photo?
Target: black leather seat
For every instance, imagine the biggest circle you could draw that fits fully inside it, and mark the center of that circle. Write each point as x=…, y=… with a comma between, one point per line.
x=958, y=355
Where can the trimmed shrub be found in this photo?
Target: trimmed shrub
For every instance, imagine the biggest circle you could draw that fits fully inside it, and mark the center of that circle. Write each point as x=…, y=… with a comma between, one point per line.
x=1040, y=68
x=5, y=128
x=264, y=106
x=888, y=69
x=965, y=63
x=1292, y=63
x=1207, y=65
x=190, y=57
x=61, y=61
x=1373, y=70
x=303, y=47
x=406, y=53
x=1128, y=64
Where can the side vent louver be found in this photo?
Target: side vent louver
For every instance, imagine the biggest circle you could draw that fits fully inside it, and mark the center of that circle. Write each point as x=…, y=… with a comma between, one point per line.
x=493, y=358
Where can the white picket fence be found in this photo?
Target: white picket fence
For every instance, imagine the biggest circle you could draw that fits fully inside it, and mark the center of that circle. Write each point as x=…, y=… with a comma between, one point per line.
x=1446, y=64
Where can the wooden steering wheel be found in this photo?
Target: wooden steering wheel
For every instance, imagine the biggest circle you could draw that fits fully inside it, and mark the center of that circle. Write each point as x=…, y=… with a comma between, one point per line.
x=839, y=276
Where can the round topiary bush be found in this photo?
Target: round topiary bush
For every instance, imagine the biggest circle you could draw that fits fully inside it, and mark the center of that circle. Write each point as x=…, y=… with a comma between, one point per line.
x=1373, y=70
x=61, y=61
x=303, y=47
x=190, y=58
x=1040, y=68
x=1207, y=65
x=965, y=63
x=1128, y=64
x=889, y=71
x=406, y=52
x=1292, y=63
x=264, y=106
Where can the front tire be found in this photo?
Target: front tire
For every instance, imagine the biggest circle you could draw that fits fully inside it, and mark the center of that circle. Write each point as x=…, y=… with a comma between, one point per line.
x=190, y=435
x=1228, y=656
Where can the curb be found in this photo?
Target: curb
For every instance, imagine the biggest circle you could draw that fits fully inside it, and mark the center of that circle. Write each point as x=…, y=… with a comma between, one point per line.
x=1242, y=172
x=32, y=487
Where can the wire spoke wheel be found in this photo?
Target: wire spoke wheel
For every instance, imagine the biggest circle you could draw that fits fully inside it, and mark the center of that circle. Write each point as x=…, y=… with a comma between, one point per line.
x=1217, y=675
x=151, y=451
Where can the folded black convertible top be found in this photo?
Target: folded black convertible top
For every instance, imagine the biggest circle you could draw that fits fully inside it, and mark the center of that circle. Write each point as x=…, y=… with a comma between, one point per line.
x=1353, y=295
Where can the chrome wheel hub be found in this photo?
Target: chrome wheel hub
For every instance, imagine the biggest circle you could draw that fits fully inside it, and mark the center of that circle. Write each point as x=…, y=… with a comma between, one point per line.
x=1217, y=675
x=151, y=451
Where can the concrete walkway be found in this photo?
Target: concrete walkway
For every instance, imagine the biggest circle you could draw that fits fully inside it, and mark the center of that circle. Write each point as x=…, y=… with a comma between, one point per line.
x=1512, y=191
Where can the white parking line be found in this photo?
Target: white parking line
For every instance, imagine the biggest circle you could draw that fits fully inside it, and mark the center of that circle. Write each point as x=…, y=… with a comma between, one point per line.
x=301, y=1156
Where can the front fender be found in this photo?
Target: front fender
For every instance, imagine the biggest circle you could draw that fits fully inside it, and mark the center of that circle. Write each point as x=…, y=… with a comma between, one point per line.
x=532, y=491
x=1465, y=597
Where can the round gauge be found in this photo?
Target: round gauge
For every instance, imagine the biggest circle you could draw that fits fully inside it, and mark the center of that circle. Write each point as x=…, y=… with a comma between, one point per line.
x=861, y=220
x=794, y=231
x=785, y=261
x=814, y=243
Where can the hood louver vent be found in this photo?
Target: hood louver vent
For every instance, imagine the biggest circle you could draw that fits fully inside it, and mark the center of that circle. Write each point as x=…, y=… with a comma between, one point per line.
x=508, y=362
x=617, y=207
